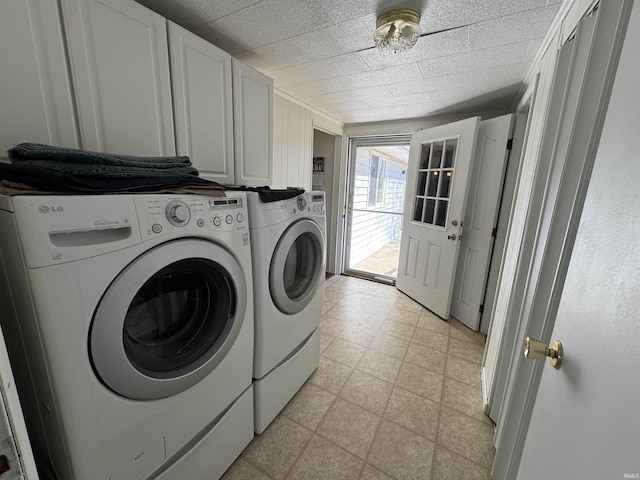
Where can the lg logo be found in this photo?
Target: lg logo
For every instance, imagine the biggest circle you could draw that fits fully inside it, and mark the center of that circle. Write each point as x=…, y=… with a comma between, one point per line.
x=45, y=209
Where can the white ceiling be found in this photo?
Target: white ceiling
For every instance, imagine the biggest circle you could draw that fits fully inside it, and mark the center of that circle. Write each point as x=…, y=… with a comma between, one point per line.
x=321, y=52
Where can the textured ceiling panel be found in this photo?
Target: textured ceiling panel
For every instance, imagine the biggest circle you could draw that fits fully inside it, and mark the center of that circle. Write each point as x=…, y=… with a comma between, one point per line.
x=319, y=70
x=190, y=13
x=472, y=54
x=271, y=21
x=521, y=26
x=498, y=75
x=374, y=78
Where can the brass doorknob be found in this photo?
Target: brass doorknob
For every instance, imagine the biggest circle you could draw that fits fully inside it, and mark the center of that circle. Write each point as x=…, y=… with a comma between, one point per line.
x=537, y=350
x=452, y=236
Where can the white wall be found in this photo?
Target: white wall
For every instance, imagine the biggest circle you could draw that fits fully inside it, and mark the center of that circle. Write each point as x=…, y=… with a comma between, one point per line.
x=324, y=146
x=293, y=126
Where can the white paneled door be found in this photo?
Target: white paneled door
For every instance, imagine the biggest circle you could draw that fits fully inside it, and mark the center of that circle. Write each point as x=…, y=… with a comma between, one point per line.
x=435, y=200
x=480, y=219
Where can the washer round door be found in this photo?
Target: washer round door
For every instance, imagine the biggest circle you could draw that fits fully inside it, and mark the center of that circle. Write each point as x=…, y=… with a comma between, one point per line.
x=297, y=266
x=168, y=319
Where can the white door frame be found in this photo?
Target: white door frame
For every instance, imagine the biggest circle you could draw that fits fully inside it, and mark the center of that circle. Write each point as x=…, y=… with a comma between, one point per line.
x=576, y=141
x=522, y=124
x=352, y=145
x=486, y=186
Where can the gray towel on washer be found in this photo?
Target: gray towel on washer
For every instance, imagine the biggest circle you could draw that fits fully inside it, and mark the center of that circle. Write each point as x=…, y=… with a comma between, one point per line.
x=109, y=171
x=49, y=153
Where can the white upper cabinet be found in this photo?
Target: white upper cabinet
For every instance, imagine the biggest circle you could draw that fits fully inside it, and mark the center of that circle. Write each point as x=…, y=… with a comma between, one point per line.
x=202, y=99
x=120, y=69
x=35, y=92
x=253, y=126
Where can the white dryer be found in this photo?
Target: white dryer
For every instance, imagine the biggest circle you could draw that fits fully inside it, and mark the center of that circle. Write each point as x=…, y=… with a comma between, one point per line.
x=130, y=328
x=288, y=247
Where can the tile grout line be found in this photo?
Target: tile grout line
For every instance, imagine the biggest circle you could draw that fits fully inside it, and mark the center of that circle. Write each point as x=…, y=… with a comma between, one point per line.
x=313, y=432
x=440, y=405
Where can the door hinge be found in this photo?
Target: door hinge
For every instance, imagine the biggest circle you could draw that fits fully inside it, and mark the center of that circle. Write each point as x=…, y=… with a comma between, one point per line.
x=481, y=310
x=494, y=232
x=510, y=144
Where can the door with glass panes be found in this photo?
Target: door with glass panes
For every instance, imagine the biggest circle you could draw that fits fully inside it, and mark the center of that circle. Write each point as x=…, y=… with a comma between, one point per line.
x=435, y=196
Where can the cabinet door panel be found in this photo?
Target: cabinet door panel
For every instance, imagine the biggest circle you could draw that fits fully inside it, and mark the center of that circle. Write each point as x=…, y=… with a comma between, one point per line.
x=201, y=81
x=253, y=125
x=120, y=70
x=36, y=99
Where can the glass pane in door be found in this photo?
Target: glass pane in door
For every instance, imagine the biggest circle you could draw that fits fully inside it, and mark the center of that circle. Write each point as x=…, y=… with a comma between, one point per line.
x=433, y=186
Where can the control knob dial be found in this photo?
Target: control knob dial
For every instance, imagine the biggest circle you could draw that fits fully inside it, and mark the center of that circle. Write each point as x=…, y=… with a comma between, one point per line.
x=178, y=213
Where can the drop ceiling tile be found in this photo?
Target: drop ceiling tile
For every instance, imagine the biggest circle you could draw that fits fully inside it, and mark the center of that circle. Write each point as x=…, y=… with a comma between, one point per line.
x=345, y=37
x=275, y=56
x=424, y=109
x=220, y=40
x=271, y=21
x=462, y=93
x=512, y=28
x=311, y=89
x=436, y=67
x=396, y=101
x=496, y=100
x=394, y=113
x=354, y=81
x=351, y=95
x=430, y=84
x=344, y=107
x=499, y=55
x=189, y=13
x=461, y=108
x=499, y=75
x=430, y=46
x=319, y=70
x=440, y=15
x=332, y=41
x=448, y=81
x=340, y=10
x=362, y=117
x=482, y=10
x=385, y=76
x=534, y=47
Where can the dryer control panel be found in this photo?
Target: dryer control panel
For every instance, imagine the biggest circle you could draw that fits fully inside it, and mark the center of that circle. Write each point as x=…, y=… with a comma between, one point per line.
x=308, y=204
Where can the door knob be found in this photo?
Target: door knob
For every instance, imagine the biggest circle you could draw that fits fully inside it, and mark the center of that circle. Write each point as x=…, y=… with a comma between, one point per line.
x=452, y=236
x=537, y=350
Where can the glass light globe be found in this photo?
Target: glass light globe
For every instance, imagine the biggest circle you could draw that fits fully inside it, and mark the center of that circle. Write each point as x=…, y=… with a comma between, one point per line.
x=397, y=31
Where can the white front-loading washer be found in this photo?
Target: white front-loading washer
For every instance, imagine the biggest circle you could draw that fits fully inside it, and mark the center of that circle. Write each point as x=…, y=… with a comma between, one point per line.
x=130, y=328
x=288, y=247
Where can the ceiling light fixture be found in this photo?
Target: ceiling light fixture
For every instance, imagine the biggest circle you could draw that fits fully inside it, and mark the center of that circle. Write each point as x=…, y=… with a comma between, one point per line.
x=397, y=31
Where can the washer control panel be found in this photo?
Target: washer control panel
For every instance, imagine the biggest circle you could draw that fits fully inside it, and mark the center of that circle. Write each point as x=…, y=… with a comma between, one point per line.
x=162, y=214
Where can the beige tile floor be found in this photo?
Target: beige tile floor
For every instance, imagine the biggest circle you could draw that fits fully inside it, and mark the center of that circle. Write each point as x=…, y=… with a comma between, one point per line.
x=397, y=395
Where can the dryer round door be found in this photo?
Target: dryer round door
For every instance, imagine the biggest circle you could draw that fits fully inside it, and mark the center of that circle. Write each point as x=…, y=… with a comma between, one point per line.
x=297, y=266
x=168, y=319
